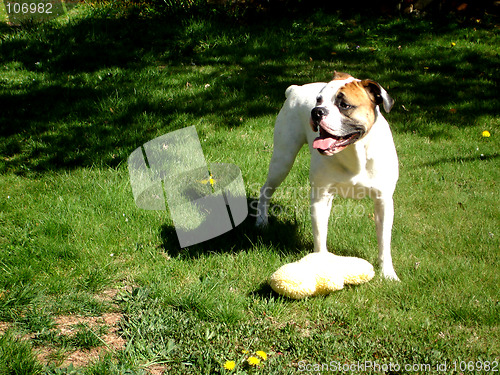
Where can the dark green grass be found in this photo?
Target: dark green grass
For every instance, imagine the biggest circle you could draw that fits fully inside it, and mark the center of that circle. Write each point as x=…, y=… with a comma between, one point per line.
x=79, y=95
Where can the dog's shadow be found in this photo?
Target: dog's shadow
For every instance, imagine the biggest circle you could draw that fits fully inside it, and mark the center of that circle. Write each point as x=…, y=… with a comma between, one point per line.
x=282, y=235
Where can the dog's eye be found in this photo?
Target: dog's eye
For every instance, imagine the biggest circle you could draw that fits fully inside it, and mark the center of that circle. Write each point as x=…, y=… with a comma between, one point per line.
x=344, y=105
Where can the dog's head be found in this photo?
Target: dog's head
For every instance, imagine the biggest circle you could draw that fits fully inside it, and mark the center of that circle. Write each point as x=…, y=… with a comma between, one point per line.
x=345, y=111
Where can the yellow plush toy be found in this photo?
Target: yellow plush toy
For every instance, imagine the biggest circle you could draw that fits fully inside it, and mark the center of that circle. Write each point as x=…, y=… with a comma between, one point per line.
x=319, y=273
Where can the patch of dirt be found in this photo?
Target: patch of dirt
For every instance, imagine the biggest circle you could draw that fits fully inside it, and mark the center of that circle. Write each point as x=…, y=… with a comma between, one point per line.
x=67, y=325
x=111, y=341
x=156, y=370
x=4, y=326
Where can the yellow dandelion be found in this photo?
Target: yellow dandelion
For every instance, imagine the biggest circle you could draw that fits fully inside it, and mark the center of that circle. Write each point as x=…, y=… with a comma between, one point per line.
x=453, y=44
x=261, y=354
x=210, y=181
x=253, y=361
x=244, y=351
x=230, y=365
x=486, y=134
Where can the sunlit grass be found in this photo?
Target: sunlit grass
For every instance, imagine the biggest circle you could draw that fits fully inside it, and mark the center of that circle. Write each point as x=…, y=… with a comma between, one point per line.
x=80, y=95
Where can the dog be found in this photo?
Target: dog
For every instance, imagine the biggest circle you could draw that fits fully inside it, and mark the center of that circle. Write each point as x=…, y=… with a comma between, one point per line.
x=352, y=153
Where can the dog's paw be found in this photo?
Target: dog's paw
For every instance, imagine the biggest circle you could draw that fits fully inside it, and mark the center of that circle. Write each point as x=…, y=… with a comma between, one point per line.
x=261, y=222
x=390, y=275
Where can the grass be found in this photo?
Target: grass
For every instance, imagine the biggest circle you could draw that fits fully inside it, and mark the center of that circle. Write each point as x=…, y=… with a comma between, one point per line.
x=80, y=94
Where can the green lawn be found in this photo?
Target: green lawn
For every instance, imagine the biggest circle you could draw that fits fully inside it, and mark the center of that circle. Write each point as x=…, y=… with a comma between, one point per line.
x=78, y=95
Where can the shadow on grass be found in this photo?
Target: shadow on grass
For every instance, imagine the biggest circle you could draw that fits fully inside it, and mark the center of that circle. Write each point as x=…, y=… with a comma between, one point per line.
x=462, y=159
x=89, y=92
x=279, y=235
x=265, y=292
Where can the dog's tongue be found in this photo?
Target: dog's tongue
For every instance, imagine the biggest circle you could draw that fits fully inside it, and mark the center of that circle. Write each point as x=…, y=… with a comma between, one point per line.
x=323, y=143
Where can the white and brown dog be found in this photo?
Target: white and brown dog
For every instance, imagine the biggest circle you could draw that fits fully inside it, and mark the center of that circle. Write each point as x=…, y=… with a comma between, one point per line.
x=353, y=155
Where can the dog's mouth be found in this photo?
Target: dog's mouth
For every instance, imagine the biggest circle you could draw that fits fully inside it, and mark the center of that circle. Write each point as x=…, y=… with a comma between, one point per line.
x=329, y=144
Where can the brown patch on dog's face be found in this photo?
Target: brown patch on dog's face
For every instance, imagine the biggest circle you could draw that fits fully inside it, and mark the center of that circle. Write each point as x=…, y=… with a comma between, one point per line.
x=357, y=102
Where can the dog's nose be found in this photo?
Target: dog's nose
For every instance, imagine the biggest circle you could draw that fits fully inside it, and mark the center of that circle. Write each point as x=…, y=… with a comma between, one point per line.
x=318, y=113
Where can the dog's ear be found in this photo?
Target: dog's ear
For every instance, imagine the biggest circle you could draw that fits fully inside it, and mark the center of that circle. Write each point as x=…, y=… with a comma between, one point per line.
x=379, y=95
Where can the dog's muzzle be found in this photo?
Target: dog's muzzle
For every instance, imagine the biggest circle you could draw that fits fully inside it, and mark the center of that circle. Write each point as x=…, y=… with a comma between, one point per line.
x=328, y=143
x=318, y=113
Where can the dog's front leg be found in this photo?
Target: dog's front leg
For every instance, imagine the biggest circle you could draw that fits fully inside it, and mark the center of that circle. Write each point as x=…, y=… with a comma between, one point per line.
x=384, y=217
x=321, y=205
